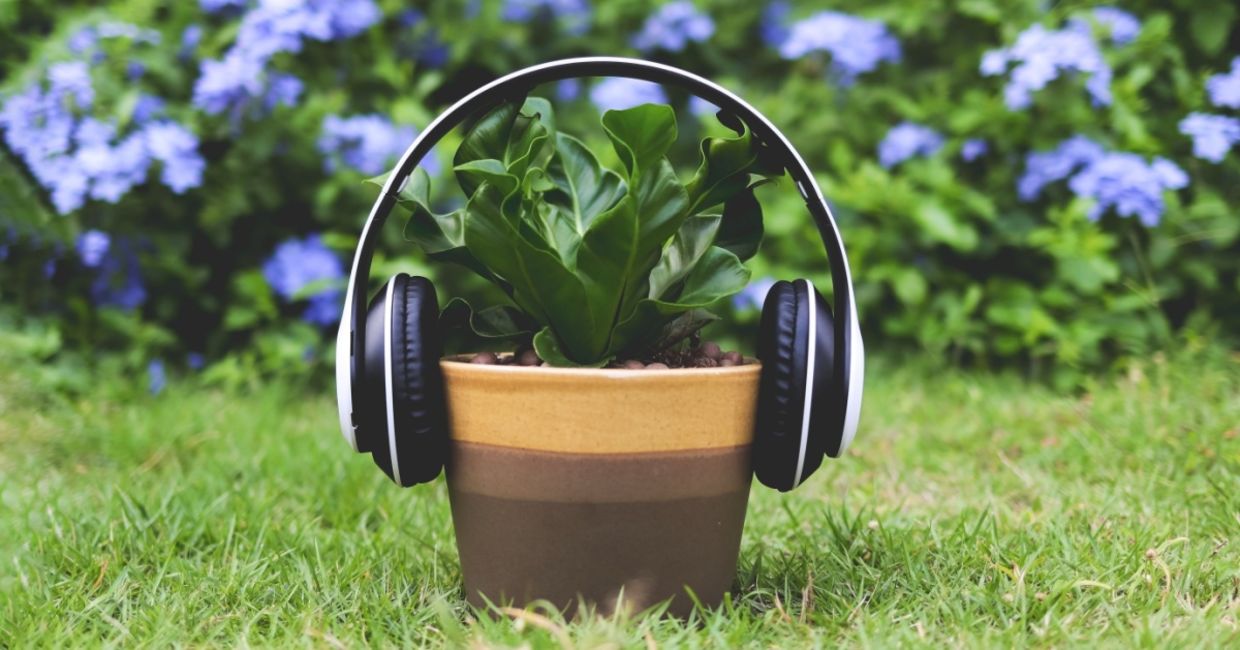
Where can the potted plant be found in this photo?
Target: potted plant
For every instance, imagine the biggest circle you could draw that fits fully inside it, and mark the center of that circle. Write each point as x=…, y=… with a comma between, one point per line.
x=607, y=457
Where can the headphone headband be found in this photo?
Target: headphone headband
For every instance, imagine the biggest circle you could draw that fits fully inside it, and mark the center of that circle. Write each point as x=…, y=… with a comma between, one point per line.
x=850, y=353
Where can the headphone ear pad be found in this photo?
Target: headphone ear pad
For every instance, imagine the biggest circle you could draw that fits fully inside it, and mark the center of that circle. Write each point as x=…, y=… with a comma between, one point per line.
x=407, y=432
x=796, y=347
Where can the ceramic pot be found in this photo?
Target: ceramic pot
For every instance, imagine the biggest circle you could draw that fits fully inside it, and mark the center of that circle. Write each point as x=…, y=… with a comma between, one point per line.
x=599, y=486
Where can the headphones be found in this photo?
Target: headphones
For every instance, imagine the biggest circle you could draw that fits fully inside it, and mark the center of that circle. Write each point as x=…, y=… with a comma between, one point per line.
x=389, y=389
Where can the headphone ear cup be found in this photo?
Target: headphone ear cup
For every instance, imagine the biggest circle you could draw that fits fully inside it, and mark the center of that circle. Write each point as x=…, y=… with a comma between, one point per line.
x=405, y=419
x=796, y=347
x=419, y=408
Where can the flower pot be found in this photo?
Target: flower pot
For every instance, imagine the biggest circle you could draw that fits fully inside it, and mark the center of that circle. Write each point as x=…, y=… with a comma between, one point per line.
x=599, y=486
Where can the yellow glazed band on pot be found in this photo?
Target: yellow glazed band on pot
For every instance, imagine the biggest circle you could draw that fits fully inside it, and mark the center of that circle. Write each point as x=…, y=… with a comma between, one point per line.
x=601, y=411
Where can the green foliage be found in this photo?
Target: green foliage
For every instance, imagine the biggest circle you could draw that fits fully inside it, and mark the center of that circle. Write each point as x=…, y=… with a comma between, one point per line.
x=946, y=257
x=600, y=262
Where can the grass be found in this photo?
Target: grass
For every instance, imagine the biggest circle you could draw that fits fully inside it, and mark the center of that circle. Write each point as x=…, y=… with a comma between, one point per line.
x=977, y=510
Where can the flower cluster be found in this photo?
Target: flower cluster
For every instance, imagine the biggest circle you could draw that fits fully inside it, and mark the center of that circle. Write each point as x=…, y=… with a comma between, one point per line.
x=239, y=81
x=307, y=265
x=76, y=156
x=856, y=45
x=673, y=27
x=618, y=93
x=573, y=14
x=1041, y=55
x=773, y=25
x=1213, y=135
x=118, y=276
x=1122, y=181
x=1121, y=26
x=973, y=148
x=906, y=140
x=367, y=143
x=1224, y=89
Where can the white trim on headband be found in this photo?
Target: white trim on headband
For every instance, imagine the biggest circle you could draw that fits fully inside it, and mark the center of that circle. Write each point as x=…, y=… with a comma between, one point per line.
x=387, y=380
x=809, y=379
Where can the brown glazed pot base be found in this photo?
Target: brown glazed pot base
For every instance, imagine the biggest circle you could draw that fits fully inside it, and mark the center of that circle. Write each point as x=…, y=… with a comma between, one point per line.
x=567, y=528
x=592, y=485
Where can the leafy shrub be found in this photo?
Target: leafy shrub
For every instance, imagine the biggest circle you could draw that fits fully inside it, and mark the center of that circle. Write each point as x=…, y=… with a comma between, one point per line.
x=599, y=262
x=1053, y=187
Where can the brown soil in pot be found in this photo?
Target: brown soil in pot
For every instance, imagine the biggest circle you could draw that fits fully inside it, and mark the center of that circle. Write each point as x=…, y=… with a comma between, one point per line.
x=569, y=483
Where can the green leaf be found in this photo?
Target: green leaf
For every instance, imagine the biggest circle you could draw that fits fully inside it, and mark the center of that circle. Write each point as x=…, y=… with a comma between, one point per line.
x=585, y=188
x=741, y=229
x=487, y=138
x=682, y=327
x=724, y=170
x=517, y=137
x=548, y=348
x=695, y=236
x=624, y=243
x=440, y=236
x=940, y=225
x=541, y=284
x=641, y=135
x=1210, y=27
x=495, y=322
x=489, y=170
x=719, y=274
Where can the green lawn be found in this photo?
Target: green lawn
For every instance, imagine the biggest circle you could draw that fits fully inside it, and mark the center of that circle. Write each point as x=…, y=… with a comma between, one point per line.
x=975, y=510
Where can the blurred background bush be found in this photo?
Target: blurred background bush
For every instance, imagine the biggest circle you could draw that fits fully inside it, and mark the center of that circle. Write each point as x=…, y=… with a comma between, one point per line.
x=1046, y=185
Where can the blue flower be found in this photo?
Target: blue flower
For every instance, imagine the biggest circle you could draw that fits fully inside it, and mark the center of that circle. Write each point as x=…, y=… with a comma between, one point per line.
x=566, y=90
x=1041, y=55
x=190, y=38
x=72, y=78
x=156, y=377
x=367, y=143
x=856, y=45
x=146, y=108
x=774, y=24
x=195, y=360
x=82, y=41
x=177, y=148
x=573, y=14
x=229, y=82
x=134, y=70
x=617, y=93
x=973, y=148
x=700, y=107
x=1045, y=167
x=674, y=26
x=1224, y=89
x=213, y=6
x=1121, y=181
x=299, y=263
x=239, y=80
x=1123, y=26
x=92, y=246
x=1129, y=185
x=905, y=141
x=283, y=90
x=752, y=296
x=1213, y=135
x=118, y=278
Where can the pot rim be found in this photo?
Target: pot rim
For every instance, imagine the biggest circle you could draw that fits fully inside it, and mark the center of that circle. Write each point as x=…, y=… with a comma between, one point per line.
x=460, y=363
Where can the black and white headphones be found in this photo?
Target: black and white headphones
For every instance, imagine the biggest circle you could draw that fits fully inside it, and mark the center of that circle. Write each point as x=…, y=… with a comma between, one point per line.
x=389, y=389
